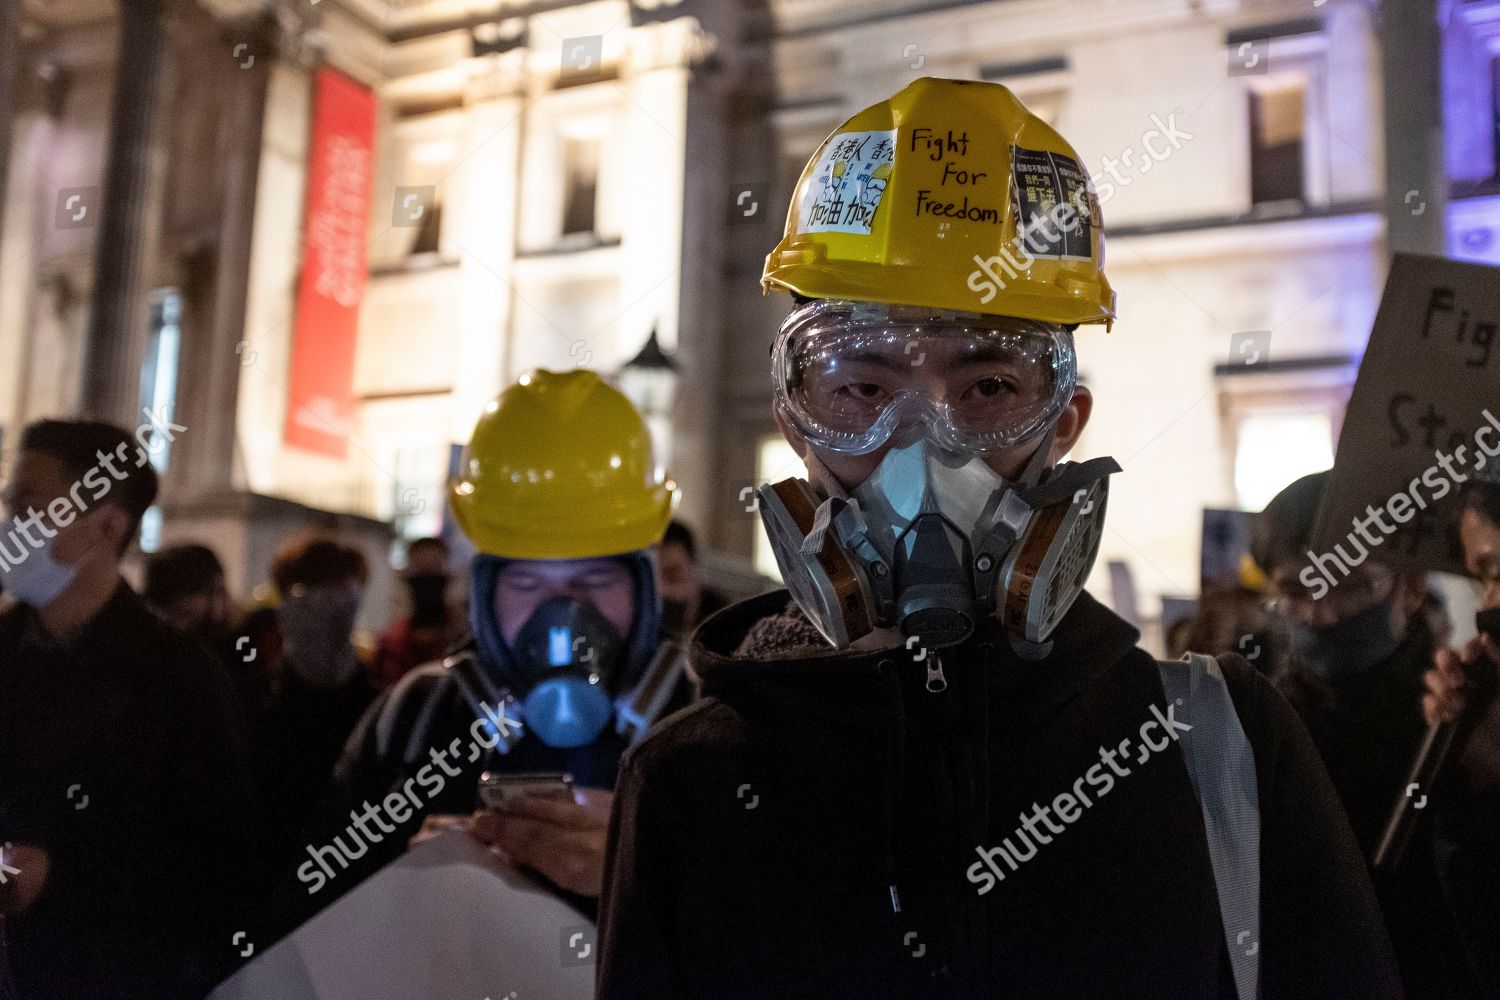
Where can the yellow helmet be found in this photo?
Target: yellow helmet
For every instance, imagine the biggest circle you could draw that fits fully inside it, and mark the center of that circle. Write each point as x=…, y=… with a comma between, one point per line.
x=921, y=200
x=561, y=466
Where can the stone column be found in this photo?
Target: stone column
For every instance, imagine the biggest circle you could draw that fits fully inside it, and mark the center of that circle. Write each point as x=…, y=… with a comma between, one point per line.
x=10, y=26
x=1416, y=176
x=213, y=357
x=117, y=315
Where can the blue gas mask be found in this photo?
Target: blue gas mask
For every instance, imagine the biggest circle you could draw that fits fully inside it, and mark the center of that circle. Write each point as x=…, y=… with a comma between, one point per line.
x=565, y=661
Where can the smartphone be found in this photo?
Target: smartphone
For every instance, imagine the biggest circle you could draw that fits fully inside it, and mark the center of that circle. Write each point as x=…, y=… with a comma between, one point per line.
x=495, y=790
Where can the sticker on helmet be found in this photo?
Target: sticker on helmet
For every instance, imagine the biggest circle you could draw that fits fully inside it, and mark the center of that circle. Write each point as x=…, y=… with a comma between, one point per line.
x=846, y=187
x=1055, y=208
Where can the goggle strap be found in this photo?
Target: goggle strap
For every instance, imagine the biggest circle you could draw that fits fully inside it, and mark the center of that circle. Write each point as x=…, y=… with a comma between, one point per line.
x=1037, y=465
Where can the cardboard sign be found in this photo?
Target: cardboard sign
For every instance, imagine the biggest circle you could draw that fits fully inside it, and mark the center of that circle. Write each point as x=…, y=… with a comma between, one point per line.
x=1423, y=419
x=446, y=919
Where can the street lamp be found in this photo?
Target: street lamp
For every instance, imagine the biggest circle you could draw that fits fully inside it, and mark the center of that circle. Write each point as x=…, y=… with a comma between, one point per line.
x=649, y=381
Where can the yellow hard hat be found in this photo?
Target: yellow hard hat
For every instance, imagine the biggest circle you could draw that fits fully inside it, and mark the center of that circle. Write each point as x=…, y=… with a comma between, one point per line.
x=921, y=199
x=561, y=466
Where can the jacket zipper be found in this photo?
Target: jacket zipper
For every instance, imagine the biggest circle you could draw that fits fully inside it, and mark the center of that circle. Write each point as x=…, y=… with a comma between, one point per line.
x=936, y=682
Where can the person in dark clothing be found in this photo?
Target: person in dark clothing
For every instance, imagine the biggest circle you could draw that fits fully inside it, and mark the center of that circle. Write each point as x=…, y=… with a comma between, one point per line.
x=424, y=634
x=1467, y=821
x=7, y=984
x=685, y=601
x=322, y=689
x=1355, y=677
x=943, y=769
x=566, y=666
x=124, y=805
x=184, y=584
x=1232, y=620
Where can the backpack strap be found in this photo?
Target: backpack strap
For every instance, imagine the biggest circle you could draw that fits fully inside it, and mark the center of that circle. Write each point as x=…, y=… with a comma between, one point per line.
x=1221, y=767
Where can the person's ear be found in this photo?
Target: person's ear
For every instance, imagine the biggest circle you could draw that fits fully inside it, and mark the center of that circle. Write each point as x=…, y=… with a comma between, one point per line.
x=1075, y=417
x=112, y=528
x=793, y=436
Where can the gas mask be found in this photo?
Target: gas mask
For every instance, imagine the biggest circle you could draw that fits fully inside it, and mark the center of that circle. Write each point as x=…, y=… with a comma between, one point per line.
x=567, y=656
x=569, y=673
x=934, y=540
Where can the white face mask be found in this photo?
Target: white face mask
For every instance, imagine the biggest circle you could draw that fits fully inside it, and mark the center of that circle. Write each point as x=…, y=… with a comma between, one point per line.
x=36, y=579
x=924, y=479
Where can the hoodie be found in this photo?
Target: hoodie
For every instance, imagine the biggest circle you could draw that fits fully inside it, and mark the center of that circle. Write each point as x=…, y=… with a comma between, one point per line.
x=813, y=827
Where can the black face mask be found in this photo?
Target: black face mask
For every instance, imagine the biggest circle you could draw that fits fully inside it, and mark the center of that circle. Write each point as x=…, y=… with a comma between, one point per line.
x=674, y=616
x=1488, y=622
x=568, y=655
x=1353, y=646
x=428, y=607
x=214, y=634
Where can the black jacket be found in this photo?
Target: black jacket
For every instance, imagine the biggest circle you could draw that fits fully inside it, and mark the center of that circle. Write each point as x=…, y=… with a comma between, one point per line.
x=756, y=835
x=122, y=755
x=1367, y=728
x=391, y=751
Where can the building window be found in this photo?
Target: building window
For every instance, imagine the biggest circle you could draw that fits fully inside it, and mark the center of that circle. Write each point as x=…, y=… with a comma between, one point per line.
x=581, y=175
x=1275, y=449
x=159, y=392
x=414, y=503
x=1042, y=84
x=1495, y=114
x=159, y=369
x=775, y=460
x=1277, y=133
x=427, y=153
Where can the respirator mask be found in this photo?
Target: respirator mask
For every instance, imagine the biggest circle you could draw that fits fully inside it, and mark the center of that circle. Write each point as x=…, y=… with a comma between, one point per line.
x=569, y=673
x=565, y=659
x=934, y=540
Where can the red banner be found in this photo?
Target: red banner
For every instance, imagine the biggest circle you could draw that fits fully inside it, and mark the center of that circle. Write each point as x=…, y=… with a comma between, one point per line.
x=320, y=401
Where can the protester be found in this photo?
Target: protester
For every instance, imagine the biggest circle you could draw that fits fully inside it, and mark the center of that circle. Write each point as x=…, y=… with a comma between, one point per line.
x=323, y=688
x=564, y=499
x=431, y=627
x=1357, y=657
x=126, y=790
x=685, y=601
x=810, y=827
x=1233, y=620
x=1468, y=818
x=184, y=585
x=1355, y=675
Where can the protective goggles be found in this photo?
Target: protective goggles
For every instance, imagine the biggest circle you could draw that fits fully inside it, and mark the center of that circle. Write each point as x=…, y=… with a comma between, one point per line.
x=852, y=375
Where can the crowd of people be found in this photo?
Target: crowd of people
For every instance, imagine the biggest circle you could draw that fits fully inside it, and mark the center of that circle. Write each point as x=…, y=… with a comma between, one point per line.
x=922, y=770
x=170, y=757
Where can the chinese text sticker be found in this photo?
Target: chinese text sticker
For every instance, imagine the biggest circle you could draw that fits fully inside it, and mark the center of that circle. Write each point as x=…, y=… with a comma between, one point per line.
x=847, y=184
